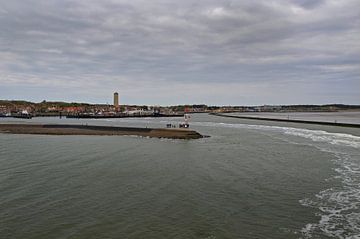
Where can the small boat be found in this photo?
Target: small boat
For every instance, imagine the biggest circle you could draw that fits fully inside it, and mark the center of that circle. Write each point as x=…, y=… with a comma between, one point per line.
x=23, y=115
x=5, y=115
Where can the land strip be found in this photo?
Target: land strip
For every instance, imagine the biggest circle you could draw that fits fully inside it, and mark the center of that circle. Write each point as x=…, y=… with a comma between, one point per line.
x=62, y=129
x=289, y=120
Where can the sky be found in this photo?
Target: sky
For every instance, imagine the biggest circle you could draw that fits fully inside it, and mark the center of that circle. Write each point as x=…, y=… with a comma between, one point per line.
x=181, y=52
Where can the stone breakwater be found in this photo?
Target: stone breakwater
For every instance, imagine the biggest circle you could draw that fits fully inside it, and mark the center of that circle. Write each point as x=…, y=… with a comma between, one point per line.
x=289, y=120
x=62, y=129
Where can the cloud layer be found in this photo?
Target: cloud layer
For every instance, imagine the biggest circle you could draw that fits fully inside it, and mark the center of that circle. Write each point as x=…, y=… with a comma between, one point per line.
x=189, y=51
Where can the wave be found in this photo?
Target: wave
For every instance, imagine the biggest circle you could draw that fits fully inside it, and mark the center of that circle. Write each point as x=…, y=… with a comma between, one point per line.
x=339, y=206
x=340, y=139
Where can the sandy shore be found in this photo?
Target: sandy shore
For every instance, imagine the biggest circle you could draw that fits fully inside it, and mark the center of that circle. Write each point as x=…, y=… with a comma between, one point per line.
x=58, y=129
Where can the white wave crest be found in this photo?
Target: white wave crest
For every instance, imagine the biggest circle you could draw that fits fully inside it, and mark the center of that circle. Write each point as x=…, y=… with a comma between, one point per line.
x=323, y=136
x=339, y=206
x=315, y=135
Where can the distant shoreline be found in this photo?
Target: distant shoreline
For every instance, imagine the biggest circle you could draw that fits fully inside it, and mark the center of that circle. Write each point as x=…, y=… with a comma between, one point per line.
x=289, y=120
x=67, y=129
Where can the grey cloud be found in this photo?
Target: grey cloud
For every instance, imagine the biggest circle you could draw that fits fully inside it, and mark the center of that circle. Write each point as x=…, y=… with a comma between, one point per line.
x=154, y=46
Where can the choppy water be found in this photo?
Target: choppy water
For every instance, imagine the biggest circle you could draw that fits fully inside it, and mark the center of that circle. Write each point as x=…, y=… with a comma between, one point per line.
x=247, y=181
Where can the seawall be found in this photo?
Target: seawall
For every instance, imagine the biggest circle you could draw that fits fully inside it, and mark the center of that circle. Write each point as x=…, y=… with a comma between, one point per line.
x=66, y=129
x=289, y=120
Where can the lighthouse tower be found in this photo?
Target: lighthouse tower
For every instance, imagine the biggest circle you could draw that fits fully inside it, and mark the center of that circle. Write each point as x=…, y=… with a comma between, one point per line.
x=116, y=101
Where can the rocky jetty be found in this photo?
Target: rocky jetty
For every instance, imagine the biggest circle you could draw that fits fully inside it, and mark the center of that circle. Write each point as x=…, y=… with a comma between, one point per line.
x=62, y=129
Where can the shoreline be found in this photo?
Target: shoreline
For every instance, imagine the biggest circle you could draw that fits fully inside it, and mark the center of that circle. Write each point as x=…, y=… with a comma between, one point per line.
x=289, y=120
x=67, y=129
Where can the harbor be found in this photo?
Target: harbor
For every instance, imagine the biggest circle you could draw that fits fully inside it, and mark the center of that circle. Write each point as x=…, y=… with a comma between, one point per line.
x=180, y=119
x=241, y=166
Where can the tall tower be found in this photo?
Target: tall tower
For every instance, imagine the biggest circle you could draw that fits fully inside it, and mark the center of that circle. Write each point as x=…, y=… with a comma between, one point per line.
x=116, y=100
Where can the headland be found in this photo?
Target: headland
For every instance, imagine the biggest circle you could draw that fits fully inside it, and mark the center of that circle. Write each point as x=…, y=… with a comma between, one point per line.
x=68, y=129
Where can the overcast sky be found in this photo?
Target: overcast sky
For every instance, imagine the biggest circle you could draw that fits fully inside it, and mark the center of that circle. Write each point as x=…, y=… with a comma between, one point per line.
x=241, y=52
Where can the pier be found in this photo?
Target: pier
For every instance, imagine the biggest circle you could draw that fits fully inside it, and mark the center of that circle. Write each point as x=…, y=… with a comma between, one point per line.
x=290, y=120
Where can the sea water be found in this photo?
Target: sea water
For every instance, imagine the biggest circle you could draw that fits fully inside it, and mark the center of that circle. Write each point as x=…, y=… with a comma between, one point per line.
x=250, y=179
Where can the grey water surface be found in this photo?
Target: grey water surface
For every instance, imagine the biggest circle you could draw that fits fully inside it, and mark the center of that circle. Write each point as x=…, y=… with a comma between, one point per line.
x=250, y=179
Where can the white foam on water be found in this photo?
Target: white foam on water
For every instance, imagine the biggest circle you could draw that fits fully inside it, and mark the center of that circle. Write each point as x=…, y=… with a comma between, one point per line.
x=326, y=137
x=315, y=135
x=339, y=207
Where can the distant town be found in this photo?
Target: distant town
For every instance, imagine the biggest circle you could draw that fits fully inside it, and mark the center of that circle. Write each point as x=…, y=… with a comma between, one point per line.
x=20, y=108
